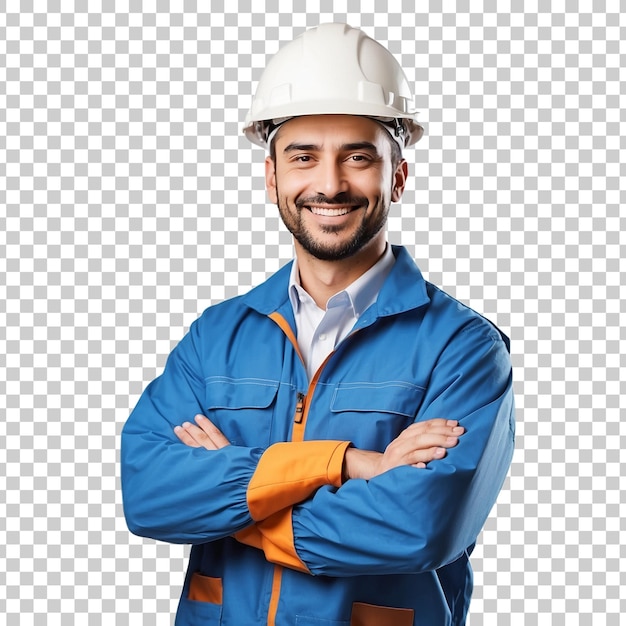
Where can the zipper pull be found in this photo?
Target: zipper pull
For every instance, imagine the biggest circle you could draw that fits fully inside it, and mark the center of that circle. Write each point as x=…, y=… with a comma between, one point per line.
x=299, y=409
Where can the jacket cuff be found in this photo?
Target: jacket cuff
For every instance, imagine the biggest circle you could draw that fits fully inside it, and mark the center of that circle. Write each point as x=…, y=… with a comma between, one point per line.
x=251, y=536
x=274, y=536
x=288, y=473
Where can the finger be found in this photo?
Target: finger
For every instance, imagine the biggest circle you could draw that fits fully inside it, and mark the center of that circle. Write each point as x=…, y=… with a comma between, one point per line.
x=409, y=445
x=436, y=431
x=450, y=427
x=185, y=437
x=212, y=431
x=421, y=457
x=434, y=427
x=422, y=449
x=199, y=436
x=435, y=423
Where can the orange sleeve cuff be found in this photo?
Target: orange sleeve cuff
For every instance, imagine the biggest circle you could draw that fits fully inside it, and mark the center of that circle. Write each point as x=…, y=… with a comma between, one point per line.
x=278, y=542
x=290, y=472
x=274, y=536
x=251, y=536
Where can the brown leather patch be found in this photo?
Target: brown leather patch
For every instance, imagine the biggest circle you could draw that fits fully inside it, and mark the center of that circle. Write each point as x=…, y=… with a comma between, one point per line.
x=373, y=615
x=205, y=589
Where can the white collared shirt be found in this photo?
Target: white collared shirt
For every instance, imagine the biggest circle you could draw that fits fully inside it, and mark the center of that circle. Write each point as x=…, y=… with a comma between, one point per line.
x=318, y=331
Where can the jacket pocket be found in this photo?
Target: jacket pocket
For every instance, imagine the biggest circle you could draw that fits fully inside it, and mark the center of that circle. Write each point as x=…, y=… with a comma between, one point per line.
x=373, y=615
x=241, y=408
x=205, y=589
x=371, y=415
x=202, y=602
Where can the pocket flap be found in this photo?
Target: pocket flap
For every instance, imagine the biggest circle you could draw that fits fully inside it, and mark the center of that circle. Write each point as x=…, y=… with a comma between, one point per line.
x=397, y=397
x=239, y=393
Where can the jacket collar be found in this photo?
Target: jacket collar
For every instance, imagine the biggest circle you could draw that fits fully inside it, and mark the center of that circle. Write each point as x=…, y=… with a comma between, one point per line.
x=403, y=290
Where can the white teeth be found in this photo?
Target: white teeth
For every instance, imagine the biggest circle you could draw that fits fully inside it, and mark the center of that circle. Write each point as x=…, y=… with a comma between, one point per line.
x=330, y=212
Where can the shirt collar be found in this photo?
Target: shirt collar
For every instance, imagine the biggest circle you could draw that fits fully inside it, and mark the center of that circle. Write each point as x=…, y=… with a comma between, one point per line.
x=362, y=293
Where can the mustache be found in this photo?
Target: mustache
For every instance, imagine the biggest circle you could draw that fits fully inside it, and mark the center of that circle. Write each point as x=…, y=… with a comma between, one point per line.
x=341, y=199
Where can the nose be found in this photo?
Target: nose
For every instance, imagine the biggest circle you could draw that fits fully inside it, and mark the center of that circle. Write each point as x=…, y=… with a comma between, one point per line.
x=331, y=178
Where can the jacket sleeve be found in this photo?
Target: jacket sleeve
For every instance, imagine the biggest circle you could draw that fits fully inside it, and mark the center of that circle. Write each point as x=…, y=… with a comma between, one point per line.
x=409, y=519
x=170, y=491
x=180, y=494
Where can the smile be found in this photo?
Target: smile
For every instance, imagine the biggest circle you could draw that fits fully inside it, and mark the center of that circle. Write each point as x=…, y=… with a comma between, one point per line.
x=328, y=212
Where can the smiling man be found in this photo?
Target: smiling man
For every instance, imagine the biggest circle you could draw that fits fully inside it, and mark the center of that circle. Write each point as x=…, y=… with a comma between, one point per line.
x=337, y=181
x=333, y=180
x=332, y=442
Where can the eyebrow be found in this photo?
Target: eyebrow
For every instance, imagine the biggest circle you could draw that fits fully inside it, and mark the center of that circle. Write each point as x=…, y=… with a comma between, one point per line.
x=295, y=147
x=347, y=147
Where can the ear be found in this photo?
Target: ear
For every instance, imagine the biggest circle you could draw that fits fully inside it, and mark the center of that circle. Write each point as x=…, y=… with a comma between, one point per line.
x=270, y=179
x=399, y=180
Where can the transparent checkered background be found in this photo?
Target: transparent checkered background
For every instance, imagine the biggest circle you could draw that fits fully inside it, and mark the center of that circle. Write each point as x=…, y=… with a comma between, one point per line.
x=130, y=202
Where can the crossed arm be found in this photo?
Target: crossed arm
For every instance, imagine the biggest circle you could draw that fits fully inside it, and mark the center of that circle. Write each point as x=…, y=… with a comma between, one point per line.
x=302, y=522
x=419, y=444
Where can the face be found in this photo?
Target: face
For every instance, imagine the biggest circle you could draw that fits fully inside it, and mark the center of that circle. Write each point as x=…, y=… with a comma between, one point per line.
x=333, y=181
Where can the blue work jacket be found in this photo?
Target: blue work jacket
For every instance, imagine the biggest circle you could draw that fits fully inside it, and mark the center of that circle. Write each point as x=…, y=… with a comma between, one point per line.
x=277, y=537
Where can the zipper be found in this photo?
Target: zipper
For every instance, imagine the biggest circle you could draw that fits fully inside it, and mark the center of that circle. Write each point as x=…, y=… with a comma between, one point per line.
x=299, y=414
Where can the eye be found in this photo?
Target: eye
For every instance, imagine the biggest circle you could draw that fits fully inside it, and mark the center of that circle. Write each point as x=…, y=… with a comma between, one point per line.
x=301, y=159
x=359, y=158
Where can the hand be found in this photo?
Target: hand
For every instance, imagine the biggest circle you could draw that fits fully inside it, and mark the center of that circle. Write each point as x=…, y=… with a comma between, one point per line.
x=204, y=435
x=417, y=445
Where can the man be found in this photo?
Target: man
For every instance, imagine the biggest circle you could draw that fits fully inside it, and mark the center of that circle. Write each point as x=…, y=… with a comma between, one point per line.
x=332, y=442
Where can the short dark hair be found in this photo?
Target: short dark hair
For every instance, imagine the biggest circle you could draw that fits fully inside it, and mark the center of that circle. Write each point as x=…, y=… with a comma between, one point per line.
x=396, y=153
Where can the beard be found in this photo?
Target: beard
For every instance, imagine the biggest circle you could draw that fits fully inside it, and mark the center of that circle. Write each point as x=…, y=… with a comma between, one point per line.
x=343, y=248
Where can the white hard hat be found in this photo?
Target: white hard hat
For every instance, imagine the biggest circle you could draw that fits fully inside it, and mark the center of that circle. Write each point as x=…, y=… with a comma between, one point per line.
x=333, y=69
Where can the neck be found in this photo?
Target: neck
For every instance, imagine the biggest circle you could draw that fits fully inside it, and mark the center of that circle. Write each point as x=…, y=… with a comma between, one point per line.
x=323, y=279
